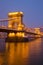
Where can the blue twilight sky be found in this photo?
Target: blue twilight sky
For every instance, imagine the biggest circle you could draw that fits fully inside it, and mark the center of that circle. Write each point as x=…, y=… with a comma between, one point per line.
x=33, y=10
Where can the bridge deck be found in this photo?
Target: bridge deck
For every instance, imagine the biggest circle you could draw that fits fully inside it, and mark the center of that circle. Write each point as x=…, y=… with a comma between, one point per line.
x=8, y=30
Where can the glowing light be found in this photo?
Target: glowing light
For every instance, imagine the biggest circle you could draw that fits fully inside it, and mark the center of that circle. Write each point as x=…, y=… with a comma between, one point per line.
x=12, y=13
x=15, y=13
x=23, y=34
x=20, y=34
x=11, y=34
x=9, y=25
x=37, y=30
x=20, y=27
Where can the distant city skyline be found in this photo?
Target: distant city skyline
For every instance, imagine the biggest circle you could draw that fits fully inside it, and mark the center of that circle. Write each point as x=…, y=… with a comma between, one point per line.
x=33, y=11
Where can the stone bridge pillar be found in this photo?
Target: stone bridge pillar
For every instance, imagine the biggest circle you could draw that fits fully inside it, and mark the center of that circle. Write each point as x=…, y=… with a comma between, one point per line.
x=15, y=22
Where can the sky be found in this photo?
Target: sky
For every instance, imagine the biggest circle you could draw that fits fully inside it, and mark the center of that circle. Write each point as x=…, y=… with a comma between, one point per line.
x=32, y=9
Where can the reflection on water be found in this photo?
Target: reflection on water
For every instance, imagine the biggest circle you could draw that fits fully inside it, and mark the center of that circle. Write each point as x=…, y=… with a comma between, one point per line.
x=35, y=52
x=17, y=53
x=26, y=53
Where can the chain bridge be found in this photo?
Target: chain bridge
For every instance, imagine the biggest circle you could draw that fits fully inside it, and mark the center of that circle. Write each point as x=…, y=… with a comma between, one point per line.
x=14, y=26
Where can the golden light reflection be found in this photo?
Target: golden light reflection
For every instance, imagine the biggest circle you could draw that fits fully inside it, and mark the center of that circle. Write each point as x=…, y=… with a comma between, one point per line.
x=35, y=46
x=17, y=51
x=11, y=53
x=25, y=50
x=1, y=60
x=21, y=52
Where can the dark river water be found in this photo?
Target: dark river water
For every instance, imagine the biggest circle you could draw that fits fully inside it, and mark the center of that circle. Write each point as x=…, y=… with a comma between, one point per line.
x=26, y=53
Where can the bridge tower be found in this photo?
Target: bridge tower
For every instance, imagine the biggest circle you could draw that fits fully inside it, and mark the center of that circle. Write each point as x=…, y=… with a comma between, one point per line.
x=16, y=18
x=15, y=22
x=37, y=31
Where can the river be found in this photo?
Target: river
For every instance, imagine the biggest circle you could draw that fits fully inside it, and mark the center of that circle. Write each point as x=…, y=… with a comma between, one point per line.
x=24, y=53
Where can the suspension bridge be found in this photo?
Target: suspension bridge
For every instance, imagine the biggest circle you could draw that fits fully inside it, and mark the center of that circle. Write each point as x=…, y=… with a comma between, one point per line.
x=14, y=24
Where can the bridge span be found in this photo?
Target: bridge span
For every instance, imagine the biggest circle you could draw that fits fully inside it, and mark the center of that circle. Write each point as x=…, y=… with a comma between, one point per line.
x=14, y=23
x=10, y=30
